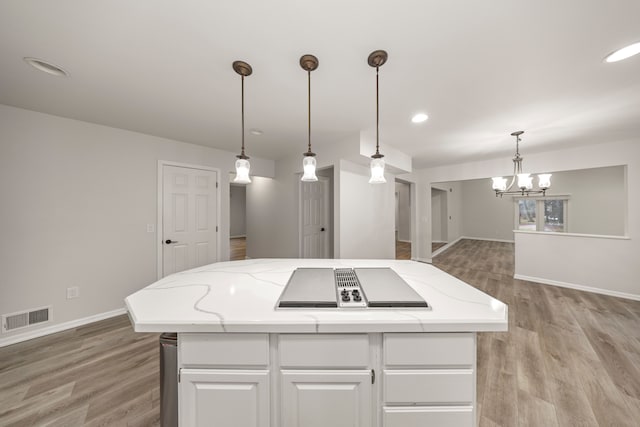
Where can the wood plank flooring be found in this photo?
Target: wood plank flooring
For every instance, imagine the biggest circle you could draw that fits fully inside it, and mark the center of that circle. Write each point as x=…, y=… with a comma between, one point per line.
x=570, y=358
x=102, y=374
x=238, y=247
x=403, y=250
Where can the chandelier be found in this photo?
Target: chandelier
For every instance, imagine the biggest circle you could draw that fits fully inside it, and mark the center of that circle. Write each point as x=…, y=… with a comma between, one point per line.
x=524, y=180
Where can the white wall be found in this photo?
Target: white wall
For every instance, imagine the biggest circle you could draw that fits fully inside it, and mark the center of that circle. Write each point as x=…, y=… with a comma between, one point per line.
x=364, y=218
x=76, y=201
x=367, y=217
x=617, y=268
x=238, y=211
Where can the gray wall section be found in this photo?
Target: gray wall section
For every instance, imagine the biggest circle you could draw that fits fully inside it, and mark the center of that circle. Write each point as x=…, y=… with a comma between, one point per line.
x=484, y=215
x=597, y=204
x=238, y=214
x=328, y=173
x=403, y=213
x=448, y=211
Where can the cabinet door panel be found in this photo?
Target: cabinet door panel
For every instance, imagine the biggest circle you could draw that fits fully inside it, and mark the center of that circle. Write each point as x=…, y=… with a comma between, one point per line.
x=224, y=398
x=326, y=398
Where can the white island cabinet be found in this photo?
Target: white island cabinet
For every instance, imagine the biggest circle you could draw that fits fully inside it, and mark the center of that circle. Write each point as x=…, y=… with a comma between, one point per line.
x=243, y=363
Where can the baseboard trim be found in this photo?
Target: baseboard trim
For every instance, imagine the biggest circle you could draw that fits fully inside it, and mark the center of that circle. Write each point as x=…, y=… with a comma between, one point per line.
x=577, y=287
x=424, y=260
x=487, y=239
x=445, y=247
x=404, y=241
x=37, y=333
x=240, y=236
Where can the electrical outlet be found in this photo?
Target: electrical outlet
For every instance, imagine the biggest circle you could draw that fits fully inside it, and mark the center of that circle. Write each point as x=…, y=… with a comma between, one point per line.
x=73, y=292
x=151, y=228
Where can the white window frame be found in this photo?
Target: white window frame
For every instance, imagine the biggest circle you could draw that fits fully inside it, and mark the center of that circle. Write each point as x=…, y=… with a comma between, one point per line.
x=540, y=211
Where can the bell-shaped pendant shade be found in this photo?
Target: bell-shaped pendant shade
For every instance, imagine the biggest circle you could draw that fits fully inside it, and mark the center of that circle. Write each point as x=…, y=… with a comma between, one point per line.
x=377, y=171
x=525, y=181
x=309, y=168
x=544, y=181
x=499, y=183
x=242, y=172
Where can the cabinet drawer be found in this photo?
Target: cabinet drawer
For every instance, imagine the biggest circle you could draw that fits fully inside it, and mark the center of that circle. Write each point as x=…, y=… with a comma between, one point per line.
x=446, y=416
x=438, y=349
x=223, y=349
x=429, y=386
x=324, y=350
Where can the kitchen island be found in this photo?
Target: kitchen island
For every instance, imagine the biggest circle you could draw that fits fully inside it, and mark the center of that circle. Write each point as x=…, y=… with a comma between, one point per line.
x=242, y=362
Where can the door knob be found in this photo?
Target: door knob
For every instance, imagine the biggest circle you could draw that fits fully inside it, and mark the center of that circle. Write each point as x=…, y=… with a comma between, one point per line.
x=169, y=241
x=322, y=229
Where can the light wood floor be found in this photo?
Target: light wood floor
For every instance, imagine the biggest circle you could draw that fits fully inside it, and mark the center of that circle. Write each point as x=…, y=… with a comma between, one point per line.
x=238, y=246
x=102, y=374
x=403, y=250
x=570, y=358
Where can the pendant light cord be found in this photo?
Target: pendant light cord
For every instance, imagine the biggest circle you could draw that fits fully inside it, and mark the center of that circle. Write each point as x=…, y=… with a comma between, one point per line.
x=309, y=107
x=242, y=84
x=377, y=114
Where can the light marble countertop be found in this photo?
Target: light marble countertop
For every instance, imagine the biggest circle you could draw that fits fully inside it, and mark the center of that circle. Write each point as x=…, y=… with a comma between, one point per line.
x=240, y=296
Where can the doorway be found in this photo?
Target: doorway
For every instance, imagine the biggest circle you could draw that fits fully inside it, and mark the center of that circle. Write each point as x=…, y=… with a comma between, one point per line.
x=403, y=219
x=237, y=222
x=187, y=217
x=439, y=218
x=316, y=216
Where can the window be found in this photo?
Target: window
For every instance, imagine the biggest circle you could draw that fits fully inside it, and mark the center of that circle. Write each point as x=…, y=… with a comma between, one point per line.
x=542, y=214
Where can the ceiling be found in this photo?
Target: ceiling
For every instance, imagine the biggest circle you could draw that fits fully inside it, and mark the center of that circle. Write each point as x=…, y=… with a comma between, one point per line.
x=480, y=68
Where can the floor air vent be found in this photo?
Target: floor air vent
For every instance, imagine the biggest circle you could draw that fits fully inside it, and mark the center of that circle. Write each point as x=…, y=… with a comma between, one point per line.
x=14, y=321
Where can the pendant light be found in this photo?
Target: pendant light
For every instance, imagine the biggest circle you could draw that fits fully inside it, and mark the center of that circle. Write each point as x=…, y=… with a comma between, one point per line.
x=242, y=164
x=377, y=59
x=309, y=63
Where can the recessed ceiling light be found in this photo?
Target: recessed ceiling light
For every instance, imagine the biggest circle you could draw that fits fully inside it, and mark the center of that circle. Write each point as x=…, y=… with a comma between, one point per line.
x=255, y=132
x=419, y=118
x=46, y=67
x=624, y=53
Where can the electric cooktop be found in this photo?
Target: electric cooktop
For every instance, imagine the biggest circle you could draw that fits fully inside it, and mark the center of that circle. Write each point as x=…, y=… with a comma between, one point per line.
x=358, y=288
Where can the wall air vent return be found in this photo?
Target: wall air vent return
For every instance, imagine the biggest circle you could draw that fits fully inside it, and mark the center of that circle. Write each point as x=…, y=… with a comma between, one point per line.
x=23, y=319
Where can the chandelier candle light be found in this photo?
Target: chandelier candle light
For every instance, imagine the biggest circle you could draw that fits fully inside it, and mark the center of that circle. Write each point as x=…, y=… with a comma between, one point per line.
x=377, y=59
x=242, y=164
x=309, y=63
x=525, y=180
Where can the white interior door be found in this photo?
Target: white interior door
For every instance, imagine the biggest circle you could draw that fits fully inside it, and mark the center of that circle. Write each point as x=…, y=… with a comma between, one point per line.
x=314, y=203
x=189, y=218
